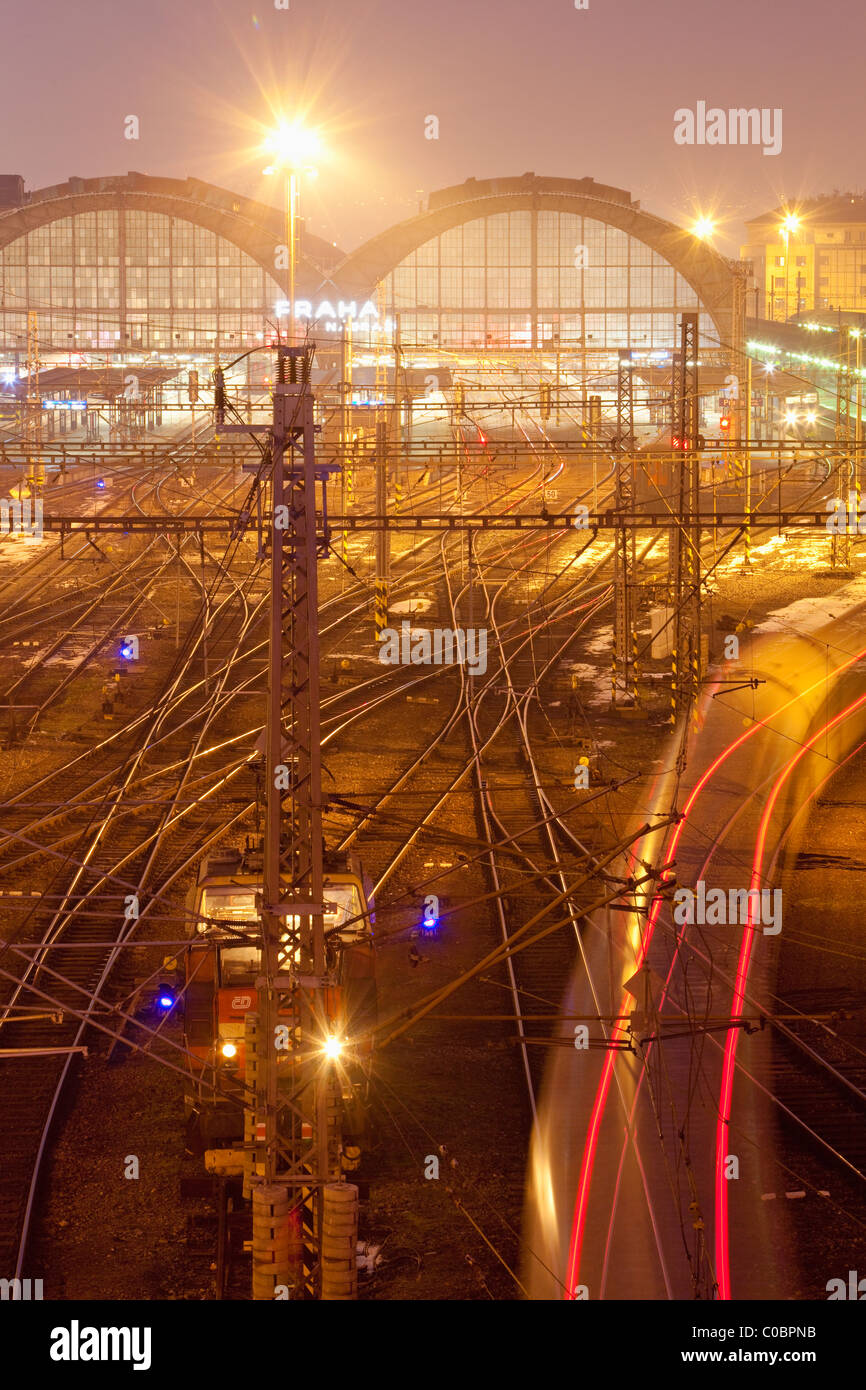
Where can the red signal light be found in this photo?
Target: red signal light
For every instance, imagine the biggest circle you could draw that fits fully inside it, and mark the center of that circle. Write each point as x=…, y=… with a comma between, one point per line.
x=724, y=423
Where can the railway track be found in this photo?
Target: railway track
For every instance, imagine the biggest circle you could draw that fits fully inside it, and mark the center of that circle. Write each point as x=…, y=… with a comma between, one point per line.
x=80, y=921
x=119, y=855
x=81, y=916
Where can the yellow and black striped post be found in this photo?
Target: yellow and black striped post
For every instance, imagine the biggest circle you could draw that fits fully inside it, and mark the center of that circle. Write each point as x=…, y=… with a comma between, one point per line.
x=674, y=690
x=613, y=678
x=380, y=608
x=634, y=668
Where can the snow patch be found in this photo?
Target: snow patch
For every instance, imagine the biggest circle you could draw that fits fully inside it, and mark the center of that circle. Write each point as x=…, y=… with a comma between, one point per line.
x=411, y=605
x=807, y=614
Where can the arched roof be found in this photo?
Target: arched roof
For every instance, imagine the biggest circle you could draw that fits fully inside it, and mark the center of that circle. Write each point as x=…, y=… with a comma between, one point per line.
x=257, y=228
x=708, y=273
x=253, y=227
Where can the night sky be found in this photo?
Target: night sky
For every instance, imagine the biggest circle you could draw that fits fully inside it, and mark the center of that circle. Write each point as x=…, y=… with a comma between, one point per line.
x=517, y=85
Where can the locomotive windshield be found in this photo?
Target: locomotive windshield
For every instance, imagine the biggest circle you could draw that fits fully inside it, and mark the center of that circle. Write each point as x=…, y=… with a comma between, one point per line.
x=342, y=905
x=227, y=903
x=236, y=903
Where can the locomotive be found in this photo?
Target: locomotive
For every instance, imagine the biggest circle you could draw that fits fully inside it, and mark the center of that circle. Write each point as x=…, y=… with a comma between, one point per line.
x=222, y=964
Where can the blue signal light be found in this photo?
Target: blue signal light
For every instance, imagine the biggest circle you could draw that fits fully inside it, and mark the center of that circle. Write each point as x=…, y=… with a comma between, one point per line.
x=100, y=482
x=430, y=916
x=165, y=999
x=126, y=652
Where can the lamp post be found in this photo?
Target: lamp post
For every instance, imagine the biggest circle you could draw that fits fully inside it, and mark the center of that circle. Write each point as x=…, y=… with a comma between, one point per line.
x=291, y=193
x=857, y=335
x=703, y=228
x=789, y=226
x=291, y=147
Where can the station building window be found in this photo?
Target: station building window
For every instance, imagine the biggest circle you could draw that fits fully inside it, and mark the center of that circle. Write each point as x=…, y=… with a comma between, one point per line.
x=502, y=277
x=156, y=282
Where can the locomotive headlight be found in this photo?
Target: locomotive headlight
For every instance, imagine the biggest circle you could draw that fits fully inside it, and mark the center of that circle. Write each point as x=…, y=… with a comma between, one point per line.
x=333, y=1048
x=229, y=1050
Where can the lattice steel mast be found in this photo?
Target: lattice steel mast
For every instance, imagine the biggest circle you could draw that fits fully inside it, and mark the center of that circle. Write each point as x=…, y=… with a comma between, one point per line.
x=296, y=1094
x=625, y=578
x=685, y=556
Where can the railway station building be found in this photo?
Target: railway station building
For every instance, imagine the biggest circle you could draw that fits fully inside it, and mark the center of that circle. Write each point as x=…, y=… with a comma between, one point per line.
x=153, y=267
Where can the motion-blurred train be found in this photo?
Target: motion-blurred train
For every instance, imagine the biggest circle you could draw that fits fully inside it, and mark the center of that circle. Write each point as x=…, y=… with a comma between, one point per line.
x=221, y=971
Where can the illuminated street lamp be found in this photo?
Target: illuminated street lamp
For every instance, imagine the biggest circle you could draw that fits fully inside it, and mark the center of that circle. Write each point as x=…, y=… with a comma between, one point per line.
x=790, y=225
x=291, y=148
x=704, y=228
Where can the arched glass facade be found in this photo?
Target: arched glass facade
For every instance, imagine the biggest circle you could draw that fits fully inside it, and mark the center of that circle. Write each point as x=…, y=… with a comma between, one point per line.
x=539, y=279
x=124, y=278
